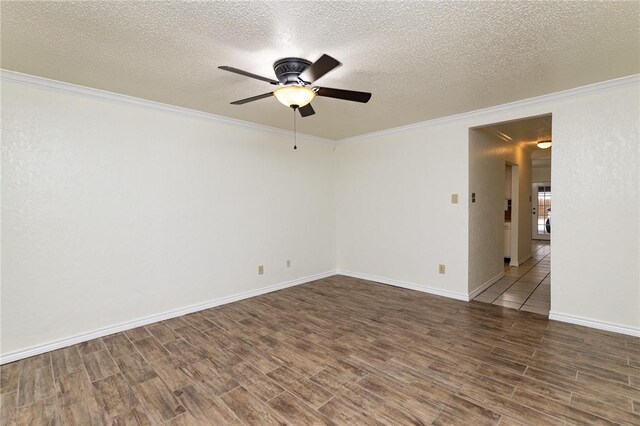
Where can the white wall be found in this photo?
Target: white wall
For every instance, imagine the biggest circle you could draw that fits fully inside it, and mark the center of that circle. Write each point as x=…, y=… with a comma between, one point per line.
x=595, y=172
x=487, y=158
x=541, y=170
x=395, y=220
x=507, y=182
x=114, y=212
x=541, y=174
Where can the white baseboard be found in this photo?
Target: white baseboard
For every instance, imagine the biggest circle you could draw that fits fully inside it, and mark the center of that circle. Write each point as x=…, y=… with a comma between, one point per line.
x=520, y=261
x=116, y=328
x=411, y=286
x=600, y=325
x=486, y=285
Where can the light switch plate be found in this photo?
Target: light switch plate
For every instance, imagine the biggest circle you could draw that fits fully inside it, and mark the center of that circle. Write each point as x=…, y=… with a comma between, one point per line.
x=454, y=198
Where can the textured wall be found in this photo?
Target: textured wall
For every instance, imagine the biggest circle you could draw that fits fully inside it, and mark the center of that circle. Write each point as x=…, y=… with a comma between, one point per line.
x=114, y=212
x=595, y=263
x=395, y=220
x=540, y=174
x=487, y=158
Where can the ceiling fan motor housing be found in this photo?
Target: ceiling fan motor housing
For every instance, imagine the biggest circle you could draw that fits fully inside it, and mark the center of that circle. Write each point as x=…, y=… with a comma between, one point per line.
x=288, y=69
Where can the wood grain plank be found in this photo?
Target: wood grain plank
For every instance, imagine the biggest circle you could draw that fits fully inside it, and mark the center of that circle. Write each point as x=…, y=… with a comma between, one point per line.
x=91, y=346
x=205, y=408
x=66, y=361
x=157, y=400
x=38, y=361
x=100, y=364
x=150, y=348
x=162, y=332
x=297, y=412
x=208, y=378
x=43, y=412
x=135, y=369
x=556, y=409
x=260, y=385
x=8, y=407
x=135, y=417
x=338, y=350
x=249, y=409
x=118, y=345
x=340, y=411
x=598, y=407
x=35, y=385
x=137, y=333
x=114, y=396
x=9, y=377
x=173, y=372
x=308, y=391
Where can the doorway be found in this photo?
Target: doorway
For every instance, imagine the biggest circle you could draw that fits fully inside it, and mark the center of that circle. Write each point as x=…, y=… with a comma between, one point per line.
x=511, y=213
x=510, y=152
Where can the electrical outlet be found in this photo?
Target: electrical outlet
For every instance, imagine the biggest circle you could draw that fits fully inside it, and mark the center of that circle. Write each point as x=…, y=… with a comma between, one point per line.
x=454, y=198
x=288, y=264
x=260, y=269
x=441, y=269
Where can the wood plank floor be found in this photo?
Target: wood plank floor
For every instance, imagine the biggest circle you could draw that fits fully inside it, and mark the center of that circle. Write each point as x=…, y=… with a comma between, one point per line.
x=335, y=351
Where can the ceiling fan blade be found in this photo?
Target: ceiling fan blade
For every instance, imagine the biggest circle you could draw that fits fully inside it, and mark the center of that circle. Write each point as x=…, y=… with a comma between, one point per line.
x=306, y=110
x=347, y=95
x=253, y=98
x=319, y=68
x=248, y=74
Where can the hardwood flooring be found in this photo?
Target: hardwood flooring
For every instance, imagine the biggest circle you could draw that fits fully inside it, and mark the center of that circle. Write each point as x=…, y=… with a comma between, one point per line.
x=335, y=351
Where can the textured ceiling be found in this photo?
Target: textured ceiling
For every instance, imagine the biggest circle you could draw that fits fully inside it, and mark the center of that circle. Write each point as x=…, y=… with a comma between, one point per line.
x=421, y=60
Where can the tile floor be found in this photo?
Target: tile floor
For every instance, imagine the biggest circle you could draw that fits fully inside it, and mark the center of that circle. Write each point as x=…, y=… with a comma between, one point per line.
x=526, y=287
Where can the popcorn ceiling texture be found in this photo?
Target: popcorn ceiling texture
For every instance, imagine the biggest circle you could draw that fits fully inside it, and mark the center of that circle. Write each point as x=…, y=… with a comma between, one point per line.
x=421, y=60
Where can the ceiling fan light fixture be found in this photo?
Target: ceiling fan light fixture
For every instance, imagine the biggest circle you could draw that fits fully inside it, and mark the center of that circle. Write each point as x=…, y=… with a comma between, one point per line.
x=294, y=94
x=544, y=144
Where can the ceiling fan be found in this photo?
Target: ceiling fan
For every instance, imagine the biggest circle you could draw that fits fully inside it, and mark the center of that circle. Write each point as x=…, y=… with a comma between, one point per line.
x=295, y=83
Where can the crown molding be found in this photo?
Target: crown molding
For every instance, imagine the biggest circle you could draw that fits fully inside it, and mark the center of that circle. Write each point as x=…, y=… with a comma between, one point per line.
x=556, y=96
x=61, y=86
x=45, y=83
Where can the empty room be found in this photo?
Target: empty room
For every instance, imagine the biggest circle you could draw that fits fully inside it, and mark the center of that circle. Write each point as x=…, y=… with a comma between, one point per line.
x=320, y=212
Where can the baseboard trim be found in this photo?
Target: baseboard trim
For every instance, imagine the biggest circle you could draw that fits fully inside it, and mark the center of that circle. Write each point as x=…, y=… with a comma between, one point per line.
x=116, y=328
x=484, y=286
x=403, y=284
x=600, y=325
x=520, y=261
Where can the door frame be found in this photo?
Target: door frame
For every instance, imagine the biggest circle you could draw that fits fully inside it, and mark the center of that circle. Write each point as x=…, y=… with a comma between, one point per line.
x=515, y=212
x=535, y=212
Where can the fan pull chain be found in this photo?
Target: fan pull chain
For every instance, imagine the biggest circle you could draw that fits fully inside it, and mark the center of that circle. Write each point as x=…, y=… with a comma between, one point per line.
x=295, y=144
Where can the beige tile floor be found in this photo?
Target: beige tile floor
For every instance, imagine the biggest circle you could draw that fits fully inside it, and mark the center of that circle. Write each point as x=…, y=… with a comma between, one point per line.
x=526, y=287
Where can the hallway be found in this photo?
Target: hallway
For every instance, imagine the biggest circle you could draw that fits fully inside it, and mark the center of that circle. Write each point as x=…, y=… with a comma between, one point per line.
x=526, y=287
